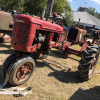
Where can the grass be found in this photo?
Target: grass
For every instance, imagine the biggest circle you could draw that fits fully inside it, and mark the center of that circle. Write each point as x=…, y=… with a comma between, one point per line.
x=55, y=78
x=71, y=55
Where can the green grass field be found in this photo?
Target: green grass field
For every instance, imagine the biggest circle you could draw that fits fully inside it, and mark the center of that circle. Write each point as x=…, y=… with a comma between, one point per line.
x=56, y=78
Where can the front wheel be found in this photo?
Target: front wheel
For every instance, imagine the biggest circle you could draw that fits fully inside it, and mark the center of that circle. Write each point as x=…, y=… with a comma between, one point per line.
x=21, y=71
x=8, y=61
x=88, y=62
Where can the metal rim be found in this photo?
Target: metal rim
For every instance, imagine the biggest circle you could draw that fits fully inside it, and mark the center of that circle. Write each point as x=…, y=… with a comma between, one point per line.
x=23, y=72
x=94, y=62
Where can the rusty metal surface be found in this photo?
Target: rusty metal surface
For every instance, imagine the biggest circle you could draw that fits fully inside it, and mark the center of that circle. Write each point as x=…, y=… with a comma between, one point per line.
x=5, y=19
x=95, y=37
x=80, y=36
x=76, y=35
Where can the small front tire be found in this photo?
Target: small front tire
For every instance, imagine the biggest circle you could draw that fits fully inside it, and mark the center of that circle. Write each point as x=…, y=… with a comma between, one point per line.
x=8, y=61
x=21, y=71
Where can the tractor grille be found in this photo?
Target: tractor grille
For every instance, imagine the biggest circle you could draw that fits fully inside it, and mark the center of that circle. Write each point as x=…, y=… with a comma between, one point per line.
x=14, y=31
x=22, y=33
x=72, y=34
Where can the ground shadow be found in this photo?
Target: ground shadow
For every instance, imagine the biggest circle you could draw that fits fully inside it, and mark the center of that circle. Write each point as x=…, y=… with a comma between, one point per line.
x=56, y=54
x=47, y=63
x=4, y=45
x=66, y=76
x=6, y=51
x=74, y=59
x=59, y=55
x=90, y=94
x=9, y=51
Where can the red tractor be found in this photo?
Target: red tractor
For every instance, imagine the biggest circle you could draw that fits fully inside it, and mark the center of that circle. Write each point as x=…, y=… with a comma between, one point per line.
x=33, y=38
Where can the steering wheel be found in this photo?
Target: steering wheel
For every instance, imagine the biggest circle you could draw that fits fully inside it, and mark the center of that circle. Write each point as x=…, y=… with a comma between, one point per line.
x=58, y=21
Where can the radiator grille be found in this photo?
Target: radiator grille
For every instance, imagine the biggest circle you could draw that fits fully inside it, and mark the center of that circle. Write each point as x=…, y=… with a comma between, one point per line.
x=23, y=34
x=12, y=39
x=23, y=31
x=72, y=34
x=24, y=26
x=13, y=34
x=23, y=37
x=24, y=43
x=14, y=31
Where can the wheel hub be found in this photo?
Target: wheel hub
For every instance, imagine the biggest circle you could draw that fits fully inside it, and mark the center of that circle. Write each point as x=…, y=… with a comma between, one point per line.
x=22, y=72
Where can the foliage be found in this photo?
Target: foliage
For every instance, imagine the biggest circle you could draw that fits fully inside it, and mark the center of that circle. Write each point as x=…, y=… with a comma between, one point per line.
x=92, y=11
x=60, y=6
x=34, y=6
x=68, y=20
x=9, y=5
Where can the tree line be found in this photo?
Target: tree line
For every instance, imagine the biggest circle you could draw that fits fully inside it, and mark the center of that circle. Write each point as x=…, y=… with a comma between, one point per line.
x=92, y=11
x=36, y=7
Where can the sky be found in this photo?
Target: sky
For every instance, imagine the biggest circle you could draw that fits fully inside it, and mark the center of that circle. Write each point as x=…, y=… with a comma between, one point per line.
x=89, y=3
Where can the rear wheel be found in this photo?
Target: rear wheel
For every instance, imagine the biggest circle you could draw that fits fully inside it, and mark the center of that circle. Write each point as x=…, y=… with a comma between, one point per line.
x=21, y=71
x=8, y=61
x=88, y=62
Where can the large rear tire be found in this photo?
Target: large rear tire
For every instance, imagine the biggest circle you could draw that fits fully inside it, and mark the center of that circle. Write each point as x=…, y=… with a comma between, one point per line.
x=21, y=71
x=8, y=61
x=88, y=62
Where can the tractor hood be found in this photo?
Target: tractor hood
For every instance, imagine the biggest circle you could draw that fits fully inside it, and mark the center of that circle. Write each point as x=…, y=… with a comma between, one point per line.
x=41, y=24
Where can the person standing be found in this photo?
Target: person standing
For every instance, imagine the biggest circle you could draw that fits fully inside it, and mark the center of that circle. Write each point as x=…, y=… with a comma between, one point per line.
x=68, y=28
x=13, y=13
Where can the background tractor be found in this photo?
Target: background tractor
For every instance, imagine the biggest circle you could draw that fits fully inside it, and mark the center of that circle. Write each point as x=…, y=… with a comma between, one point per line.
x=5, y=31
x=33, y=38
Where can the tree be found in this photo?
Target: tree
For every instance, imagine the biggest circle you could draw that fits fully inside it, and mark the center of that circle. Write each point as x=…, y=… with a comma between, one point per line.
x=9, y=5
x=60, y=6
x=92, y=11
x=69, y=19
x=36, y=6
x=98, y=16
